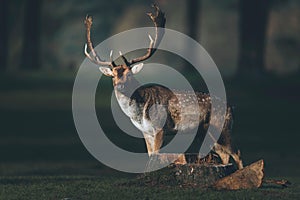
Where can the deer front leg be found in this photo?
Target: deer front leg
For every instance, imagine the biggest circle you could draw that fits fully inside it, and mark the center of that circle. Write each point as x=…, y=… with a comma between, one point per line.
x=153, y=142
x=158, y=141
x=149, y=143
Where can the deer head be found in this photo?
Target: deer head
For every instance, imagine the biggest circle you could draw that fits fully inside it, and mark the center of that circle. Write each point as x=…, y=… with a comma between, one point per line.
x=122, y=74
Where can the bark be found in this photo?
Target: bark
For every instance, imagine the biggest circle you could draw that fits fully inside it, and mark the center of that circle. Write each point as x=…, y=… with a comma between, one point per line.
x=252, y=27
x=193, y=18
x=188, y=175
x=3, y=34
x=31, y=47
x=246, y=178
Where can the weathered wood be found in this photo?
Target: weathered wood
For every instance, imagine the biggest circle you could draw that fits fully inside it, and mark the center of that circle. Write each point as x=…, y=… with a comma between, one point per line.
x=191, y=175
x=283, y=183
x=246, y=178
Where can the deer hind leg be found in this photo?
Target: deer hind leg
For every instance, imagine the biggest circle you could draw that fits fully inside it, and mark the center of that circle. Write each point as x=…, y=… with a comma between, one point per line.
x=224, y=146
x=222, y=153
x=237, y=159
x=226, y=153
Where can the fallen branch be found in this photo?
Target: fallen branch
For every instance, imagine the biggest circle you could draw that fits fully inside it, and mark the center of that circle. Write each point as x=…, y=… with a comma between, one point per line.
x=246, y=178
x=283, y=183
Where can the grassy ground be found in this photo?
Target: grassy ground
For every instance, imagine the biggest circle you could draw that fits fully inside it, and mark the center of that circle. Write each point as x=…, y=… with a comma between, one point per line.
x=42, y=157
x=91, y=187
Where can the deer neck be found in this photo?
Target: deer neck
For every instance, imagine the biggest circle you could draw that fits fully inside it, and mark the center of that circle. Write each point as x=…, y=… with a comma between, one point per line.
x=127, y=99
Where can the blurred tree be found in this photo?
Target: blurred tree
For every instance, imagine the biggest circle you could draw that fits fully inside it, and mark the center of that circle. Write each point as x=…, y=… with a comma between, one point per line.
x=31, y=47
x=252, y=26
x=193, y=18
x=3, y=34
x=193, y=11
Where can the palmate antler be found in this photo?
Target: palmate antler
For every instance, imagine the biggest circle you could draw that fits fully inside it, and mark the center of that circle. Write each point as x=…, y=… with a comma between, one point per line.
x=158, y=19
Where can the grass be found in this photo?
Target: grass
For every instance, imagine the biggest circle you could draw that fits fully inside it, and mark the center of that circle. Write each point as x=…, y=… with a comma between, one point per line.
x=91, y=187
x=42, y=157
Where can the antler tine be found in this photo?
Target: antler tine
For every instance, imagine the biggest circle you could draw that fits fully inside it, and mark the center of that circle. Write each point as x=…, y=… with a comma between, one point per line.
x=111, y=55
x=159, y=20
x=95, y=58
x=123, y=58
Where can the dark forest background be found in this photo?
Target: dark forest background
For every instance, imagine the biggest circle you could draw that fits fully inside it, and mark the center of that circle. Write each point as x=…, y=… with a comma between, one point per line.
x=255, y=44
x=241, y=35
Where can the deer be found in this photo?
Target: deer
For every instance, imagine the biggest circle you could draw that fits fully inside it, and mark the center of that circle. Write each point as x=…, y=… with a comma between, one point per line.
x=179, y=108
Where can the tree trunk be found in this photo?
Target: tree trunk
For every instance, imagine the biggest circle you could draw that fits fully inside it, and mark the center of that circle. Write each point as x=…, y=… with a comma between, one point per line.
x=3, y=34
x=193, y=18
x=253, y=24
x=31, y=47
x=193, y=12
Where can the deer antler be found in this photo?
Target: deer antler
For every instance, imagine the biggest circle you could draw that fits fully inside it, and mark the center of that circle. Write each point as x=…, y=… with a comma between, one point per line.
x=95, y=58
x=159, y=20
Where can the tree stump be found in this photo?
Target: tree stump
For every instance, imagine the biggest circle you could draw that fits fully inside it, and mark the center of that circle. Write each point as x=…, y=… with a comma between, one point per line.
x=192, y=175
x=203, y=174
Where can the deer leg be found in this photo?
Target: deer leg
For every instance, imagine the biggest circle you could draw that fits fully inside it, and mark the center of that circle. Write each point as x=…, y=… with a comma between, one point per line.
x=153, y=142
x=225, y=155
x=224, y=146
x=158, y=141
x=237, y=159
x=180, y=160
x=149, y=143
x=222, y=153
x=236, y=155
x=225, y=137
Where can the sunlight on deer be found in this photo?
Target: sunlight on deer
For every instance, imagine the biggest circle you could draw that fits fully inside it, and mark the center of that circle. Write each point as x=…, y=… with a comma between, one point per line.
x=156, y=110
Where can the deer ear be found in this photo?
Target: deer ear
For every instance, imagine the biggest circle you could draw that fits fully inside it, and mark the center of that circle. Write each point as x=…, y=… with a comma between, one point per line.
x=106, y=71
x=137, y=68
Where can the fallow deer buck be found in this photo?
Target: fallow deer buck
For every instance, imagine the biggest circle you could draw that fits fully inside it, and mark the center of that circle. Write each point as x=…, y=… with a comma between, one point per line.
x=137, y=105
